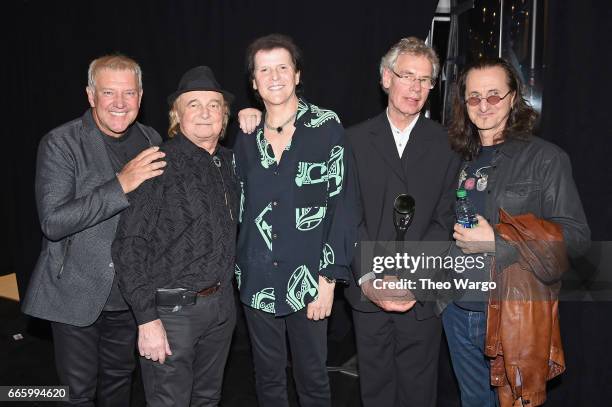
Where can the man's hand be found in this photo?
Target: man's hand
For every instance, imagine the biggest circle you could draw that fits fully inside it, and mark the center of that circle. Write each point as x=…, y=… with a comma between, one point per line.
x=322, y=306
x=479, y=239
x=391, y=300
x=152, y=341
x=141, y=168
x=249, y=119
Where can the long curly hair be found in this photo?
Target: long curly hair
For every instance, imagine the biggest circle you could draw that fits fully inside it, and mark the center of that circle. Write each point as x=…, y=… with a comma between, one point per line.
x=463, y=135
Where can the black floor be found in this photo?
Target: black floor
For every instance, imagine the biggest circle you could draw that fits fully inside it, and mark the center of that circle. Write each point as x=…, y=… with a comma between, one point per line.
x=29, y=361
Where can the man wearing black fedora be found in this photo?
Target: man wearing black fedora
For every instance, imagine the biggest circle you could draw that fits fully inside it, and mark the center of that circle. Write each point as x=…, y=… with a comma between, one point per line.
x=174, y=251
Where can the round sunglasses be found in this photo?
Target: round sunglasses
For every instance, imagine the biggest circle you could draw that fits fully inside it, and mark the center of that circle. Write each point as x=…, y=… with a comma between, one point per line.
x=492, y=100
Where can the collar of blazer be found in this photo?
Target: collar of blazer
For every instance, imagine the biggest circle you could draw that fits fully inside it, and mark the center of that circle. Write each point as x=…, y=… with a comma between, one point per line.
x=93, y=135
x=384, y=144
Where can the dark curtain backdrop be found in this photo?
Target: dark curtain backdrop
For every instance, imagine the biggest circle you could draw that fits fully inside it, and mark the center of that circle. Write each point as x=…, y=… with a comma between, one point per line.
x=48, y=44
x=576, y=116
x=52, y=42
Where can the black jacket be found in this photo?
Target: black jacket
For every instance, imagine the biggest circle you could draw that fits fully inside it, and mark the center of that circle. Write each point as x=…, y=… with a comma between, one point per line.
x=427, y=171
x=534, y=176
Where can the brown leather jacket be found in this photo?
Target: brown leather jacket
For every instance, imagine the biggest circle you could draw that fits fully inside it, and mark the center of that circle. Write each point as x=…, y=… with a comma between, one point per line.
x=523, y=337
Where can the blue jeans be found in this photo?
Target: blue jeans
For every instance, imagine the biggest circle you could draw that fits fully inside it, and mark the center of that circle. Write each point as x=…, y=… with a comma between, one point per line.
x=465, y=333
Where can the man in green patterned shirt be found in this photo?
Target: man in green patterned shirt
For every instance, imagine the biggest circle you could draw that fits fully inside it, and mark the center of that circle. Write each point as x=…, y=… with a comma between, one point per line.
x=292, y=240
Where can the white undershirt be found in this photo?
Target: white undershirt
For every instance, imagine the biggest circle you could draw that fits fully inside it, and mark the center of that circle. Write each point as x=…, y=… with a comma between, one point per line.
x=401, y=137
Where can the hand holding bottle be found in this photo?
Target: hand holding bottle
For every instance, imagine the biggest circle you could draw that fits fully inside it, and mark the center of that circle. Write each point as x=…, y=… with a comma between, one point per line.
x=479, y=239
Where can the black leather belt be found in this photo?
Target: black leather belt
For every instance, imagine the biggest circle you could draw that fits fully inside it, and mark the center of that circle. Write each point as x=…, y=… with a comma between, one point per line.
x=171, y=297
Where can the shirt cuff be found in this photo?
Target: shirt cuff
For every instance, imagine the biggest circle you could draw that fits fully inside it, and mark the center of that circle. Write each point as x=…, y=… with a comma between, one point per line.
x=366, y=277
x=338, y=273
x=144, y=316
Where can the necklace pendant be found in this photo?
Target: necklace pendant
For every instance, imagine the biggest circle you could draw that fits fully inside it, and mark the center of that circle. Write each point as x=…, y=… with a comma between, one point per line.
x=481, y=184
x=279, y=129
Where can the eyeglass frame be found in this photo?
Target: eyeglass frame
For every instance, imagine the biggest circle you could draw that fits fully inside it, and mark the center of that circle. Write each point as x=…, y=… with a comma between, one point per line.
x=414, y=78
x=467, y=101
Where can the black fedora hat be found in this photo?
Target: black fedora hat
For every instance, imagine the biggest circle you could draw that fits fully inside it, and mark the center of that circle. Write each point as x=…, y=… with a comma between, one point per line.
x=199, y=78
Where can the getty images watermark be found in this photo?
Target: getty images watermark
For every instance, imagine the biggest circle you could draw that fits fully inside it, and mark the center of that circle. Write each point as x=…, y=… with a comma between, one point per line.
x=417, y=266
x=441, y=269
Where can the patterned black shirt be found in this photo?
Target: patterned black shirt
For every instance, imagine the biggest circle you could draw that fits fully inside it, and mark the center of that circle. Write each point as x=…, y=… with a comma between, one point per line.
x=291, y=227
x=120, y=151
x=180, y=228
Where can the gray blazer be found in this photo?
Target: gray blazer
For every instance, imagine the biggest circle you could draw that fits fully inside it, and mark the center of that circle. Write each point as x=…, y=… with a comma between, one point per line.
x=79, y=199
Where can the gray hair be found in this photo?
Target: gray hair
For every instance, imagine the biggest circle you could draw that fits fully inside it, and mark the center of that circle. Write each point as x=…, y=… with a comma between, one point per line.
x=116, y=62
x=412, y=46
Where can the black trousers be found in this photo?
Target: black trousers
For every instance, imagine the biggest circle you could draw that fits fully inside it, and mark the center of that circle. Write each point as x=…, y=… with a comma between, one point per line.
x=308, y=345
x=398, y=358
x=200, y=336
x=96, y=362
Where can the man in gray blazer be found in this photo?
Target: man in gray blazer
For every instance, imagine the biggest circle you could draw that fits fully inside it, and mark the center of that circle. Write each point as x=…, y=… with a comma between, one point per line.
x=84, y=170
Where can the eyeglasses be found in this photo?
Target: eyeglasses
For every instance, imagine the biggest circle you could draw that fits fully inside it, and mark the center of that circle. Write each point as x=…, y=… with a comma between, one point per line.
x=492, y=99
x=409, y=79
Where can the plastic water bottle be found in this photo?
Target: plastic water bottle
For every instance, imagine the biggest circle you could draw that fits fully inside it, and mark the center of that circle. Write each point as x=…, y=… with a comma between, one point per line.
x=464, y=211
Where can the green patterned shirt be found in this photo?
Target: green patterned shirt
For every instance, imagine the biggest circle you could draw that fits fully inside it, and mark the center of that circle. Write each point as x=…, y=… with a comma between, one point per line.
x=291, y=215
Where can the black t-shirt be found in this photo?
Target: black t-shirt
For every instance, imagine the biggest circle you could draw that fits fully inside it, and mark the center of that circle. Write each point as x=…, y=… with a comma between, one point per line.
x=474, y=180
x=122, y=150
x=475, y=177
